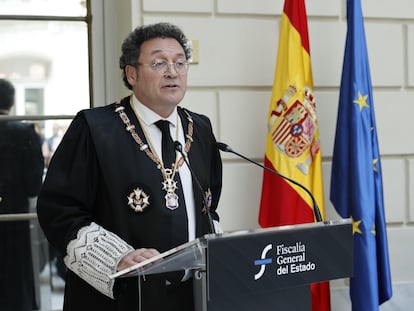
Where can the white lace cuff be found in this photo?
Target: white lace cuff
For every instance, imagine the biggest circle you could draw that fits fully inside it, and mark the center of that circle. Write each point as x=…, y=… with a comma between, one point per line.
x=94, y=255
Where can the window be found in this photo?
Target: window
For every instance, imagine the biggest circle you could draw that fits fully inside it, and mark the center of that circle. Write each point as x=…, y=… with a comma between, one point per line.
x=45, y=53
x=45, y=48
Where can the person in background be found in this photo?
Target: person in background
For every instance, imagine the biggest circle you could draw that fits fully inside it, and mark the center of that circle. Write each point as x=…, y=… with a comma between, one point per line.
x=117, y=193
x=50, y=144
x=21, y=170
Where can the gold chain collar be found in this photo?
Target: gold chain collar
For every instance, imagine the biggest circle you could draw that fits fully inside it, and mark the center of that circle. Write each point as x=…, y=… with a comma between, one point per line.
x=147, y=149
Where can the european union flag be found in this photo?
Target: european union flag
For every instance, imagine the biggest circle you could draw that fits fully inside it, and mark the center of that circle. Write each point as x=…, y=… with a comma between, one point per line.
x=356, y=181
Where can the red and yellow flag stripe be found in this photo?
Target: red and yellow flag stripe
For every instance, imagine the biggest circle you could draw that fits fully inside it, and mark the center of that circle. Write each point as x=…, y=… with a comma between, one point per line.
x=292, y=142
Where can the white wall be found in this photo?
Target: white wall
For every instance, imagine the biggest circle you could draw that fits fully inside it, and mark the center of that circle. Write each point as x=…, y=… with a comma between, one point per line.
x=238, y=41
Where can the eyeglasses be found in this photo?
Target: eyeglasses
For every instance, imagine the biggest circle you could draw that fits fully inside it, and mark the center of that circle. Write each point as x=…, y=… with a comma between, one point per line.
x=161, y=66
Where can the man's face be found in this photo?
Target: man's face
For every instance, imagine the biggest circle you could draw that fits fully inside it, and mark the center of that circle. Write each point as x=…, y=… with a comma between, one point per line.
x=159, y=91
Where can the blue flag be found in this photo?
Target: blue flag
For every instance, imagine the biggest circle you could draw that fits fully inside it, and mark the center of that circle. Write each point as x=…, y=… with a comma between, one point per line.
x=356, y=181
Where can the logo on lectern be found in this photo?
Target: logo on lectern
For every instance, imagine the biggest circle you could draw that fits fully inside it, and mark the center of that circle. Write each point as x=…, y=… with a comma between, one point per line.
x=262, y=262
x=286, y=259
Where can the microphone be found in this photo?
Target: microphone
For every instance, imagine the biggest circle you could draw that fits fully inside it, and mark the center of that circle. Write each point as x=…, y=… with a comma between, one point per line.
x=316, y=211
x=178, y=147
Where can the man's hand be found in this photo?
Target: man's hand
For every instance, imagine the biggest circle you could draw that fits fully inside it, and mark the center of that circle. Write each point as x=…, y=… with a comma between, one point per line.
x=137, y=256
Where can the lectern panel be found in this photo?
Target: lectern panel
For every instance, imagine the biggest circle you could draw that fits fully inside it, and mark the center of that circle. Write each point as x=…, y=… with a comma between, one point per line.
x=262, y=262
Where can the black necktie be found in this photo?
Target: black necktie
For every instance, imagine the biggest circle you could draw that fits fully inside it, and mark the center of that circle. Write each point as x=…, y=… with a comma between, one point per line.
x=179, y=225
x=167, y=144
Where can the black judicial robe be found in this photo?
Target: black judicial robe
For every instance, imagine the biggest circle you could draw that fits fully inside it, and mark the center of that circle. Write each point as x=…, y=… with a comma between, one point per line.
x=95, y=168
x=21, y=170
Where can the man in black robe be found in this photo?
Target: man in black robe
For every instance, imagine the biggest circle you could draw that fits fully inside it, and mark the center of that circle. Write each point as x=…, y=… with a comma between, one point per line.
x=21, y=169
x=111, y=199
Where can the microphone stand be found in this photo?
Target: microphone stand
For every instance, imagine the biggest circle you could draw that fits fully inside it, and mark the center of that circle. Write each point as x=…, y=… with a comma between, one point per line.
x=317, y=212
x=179, y=148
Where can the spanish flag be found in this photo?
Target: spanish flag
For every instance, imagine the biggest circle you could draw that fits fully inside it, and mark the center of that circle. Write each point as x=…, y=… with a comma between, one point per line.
x=292, y=142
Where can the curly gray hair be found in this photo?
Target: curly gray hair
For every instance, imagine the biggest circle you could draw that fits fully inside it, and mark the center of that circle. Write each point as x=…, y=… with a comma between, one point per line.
x=131, y=47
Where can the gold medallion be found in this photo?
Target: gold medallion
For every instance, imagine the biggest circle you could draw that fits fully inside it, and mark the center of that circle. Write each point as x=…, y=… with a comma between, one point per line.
x=170, y=185
x=138, y=200
x=208, y=197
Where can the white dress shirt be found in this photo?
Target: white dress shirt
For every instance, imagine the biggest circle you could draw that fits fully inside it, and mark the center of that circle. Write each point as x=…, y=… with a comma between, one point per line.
x=148, y=118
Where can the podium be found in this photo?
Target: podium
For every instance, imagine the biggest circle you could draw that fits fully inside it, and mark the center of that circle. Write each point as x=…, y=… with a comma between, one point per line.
x=259, y=269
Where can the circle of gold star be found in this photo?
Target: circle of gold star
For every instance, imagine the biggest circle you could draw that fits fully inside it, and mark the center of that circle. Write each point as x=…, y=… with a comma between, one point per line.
x=361, y=101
